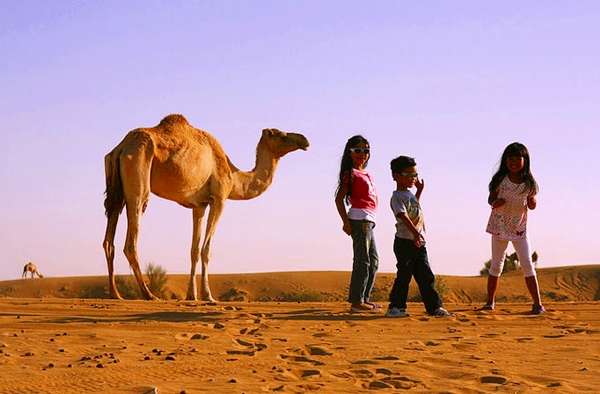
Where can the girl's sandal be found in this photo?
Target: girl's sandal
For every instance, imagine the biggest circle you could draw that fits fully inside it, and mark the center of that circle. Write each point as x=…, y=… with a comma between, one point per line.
x=361, y=308
x=376, y=306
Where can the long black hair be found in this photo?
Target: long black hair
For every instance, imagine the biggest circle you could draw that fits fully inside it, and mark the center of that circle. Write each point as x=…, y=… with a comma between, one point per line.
x=346, y=164
x=516, y=149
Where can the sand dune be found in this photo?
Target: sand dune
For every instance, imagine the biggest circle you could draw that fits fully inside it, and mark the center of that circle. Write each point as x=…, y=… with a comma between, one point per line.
x=574, y=283
x=54, y=341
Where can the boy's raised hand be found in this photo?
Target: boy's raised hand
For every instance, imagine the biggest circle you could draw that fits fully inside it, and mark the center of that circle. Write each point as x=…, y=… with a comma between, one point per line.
x=420, y=184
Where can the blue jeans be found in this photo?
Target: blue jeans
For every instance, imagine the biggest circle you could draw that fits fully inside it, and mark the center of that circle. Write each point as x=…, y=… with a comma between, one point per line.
x=413, y=261
x=365, y=262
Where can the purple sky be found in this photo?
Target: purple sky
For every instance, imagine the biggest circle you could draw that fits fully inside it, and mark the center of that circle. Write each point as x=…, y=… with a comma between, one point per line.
x=448, y=82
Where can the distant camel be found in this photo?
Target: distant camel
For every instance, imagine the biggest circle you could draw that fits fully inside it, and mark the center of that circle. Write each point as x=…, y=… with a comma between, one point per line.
x=30, y=267
x=181, y=163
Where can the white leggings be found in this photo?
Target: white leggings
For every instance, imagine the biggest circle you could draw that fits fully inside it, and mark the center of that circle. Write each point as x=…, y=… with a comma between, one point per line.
x=523, y=253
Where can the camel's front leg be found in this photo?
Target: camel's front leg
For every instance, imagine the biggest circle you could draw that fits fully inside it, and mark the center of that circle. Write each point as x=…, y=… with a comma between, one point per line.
x=198, y=215
x=214, y=214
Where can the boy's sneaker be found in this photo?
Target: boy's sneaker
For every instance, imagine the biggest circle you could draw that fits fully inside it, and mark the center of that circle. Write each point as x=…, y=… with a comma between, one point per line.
x=441, y=312
x=396, y=312
x=538, y=310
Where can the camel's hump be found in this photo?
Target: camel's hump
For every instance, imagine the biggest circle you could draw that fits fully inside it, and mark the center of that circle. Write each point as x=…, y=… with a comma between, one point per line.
x=174, y=119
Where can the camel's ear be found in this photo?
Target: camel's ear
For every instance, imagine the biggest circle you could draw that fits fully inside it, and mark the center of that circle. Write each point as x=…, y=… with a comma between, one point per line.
x=268, y=133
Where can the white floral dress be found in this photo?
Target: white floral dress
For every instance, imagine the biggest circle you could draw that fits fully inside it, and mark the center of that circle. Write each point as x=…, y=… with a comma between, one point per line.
x=509, y=222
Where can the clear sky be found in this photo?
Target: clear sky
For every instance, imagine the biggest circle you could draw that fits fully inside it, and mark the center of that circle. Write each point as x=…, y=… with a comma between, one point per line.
x=450, y=83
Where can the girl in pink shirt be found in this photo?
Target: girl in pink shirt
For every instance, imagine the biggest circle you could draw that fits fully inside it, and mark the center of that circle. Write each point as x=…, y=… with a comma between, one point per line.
x=356, y=190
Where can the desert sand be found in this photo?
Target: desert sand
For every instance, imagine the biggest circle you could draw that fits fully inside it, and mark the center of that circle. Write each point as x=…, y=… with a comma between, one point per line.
x=293, y=333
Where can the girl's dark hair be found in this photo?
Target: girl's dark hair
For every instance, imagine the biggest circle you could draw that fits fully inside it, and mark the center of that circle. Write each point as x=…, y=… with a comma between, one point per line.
x=346, y=164
x=516, y=149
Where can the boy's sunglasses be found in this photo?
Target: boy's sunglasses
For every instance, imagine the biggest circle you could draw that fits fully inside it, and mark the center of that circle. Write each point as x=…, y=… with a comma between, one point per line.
x=410, y=174
x=358, y=151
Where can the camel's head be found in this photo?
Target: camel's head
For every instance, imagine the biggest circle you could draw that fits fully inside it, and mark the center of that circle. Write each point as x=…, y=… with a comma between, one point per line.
x=281, y=143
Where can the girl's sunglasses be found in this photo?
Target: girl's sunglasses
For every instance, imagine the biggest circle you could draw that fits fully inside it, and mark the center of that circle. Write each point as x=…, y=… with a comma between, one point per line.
x=358, y=151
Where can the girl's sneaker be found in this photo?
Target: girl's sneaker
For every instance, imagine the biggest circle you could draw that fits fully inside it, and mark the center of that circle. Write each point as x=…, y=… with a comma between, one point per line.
x=538, y=310
x=395, y=312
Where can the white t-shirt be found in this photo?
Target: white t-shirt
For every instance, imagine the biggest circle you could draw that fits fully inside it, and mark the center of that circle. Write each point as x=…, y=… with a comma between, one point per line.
x=404, y=201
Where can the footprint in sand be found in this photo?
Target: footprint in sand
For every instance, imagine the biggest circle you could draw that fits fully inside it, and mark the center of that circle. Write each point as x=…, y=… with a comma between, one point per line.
x=300, y=359
x=310, y=372
x=190, y=336
x=382, y=378
x=524, y=339
x=241, y=352
x=493, y=379
x=318, y=350
x=491, y=335
x=247, y=331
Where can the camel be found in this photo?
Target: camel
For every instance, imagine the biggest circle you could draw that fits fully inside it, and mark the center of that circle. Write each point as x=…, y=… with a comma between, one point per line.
x=30, y=267
x=181, y=163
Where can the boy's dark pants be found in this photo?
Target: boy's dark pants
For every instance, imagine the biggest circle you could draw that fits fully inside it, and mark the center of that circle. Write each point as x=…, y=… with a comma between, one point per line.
x=413, y=261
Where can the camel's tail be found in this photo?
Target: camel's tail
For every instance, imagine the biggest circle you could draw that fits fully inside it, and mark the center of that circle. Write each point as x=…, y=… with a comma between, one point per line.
x=114, y=200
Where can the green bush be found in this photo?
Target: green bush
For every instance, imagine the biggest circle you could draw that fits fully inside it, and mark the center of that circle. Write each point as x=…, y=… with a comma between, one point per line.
x=157, y=280
x=127, y=286
x=310, y=296
x=234, y=294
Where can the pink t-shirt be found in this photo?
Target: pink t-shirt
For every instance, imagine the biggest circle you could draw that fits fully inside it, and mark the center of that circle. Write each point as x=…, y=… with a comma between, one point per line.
x=363, y=198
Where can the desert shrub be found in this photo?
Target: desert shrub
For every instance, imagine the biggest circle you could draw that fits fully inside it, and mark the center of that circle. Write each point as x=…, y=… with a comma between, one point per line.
x=415, y=298
x=234, y=294
x=554, y=296
x=441, y=286
x=95, y=292
x=7, y=291
x=520, y=298
x=128, y=287
x=378, y=295
x=157, y=280
x=310, y=296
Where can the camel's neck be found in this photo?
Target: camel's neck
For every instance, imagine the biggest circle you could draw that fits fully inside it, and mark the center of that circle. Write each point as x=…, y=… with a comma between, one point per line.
x=247, y=185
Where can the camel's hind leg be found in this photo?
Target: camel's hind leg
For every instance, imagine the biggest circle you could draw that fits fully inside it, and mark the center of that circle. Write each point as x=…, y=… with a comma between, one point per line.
x=109, y=251
x=135, y=176
x=113, y=204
